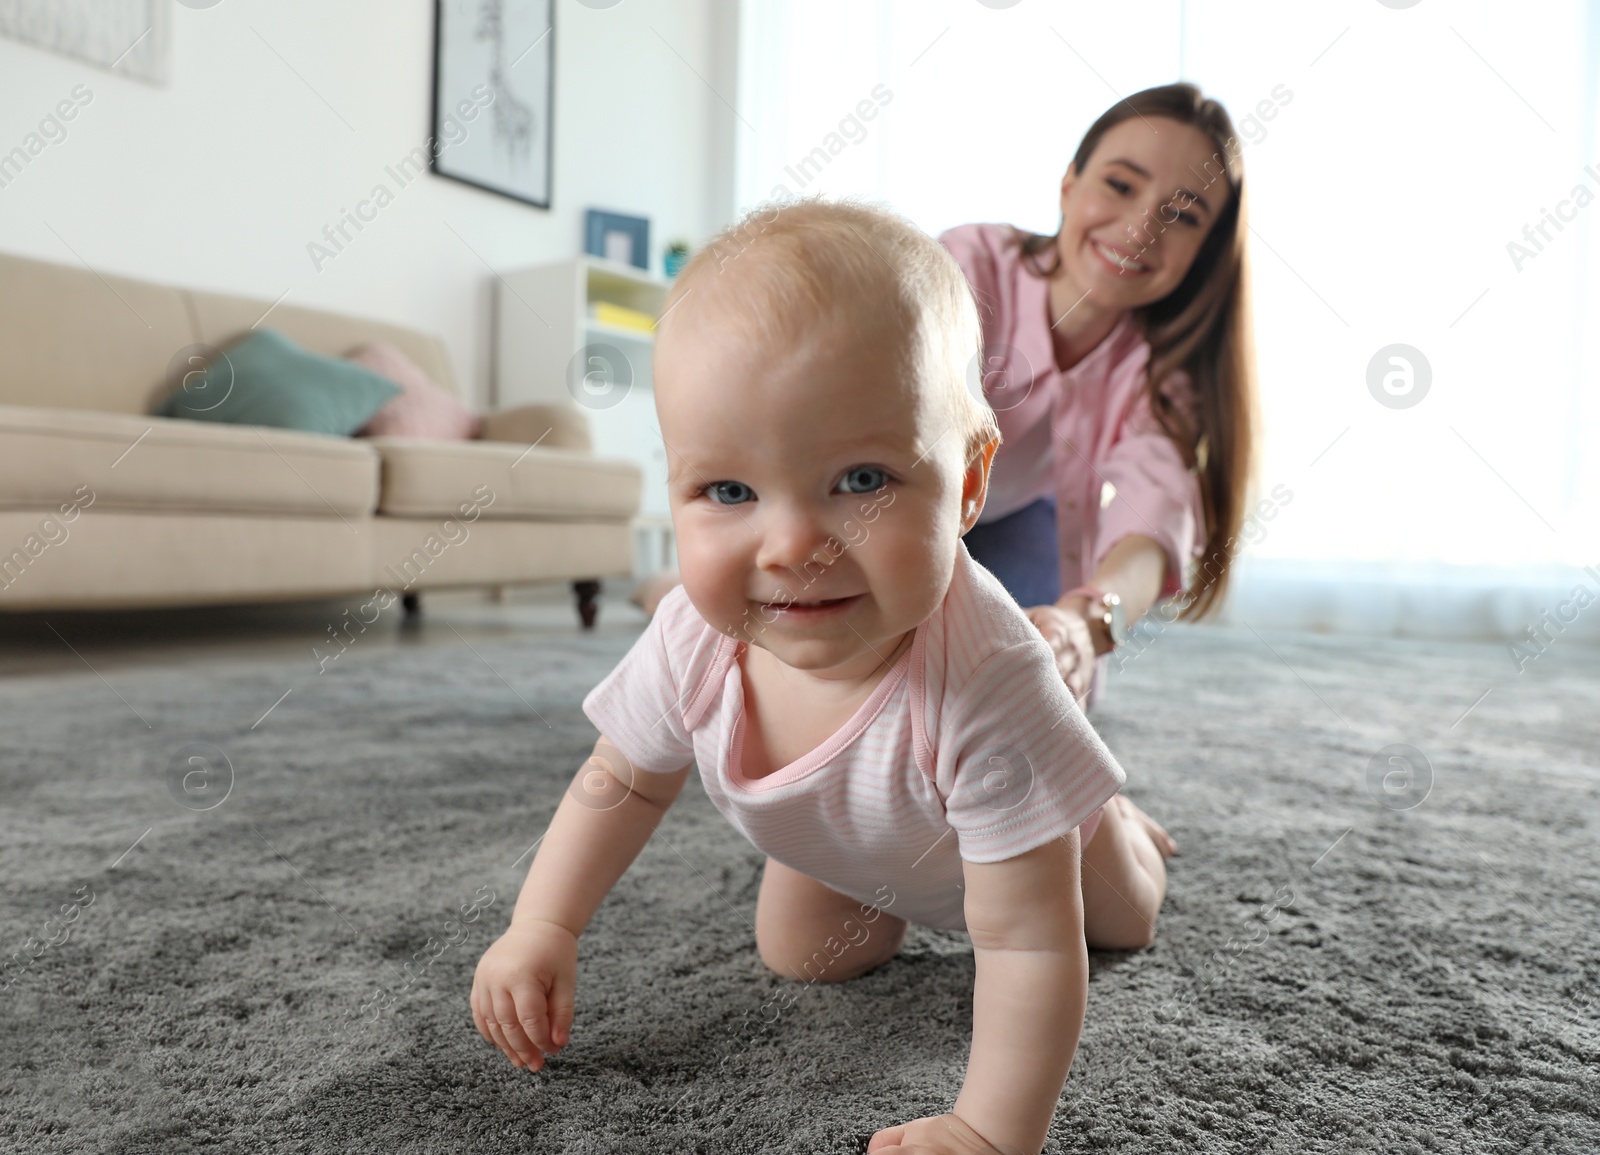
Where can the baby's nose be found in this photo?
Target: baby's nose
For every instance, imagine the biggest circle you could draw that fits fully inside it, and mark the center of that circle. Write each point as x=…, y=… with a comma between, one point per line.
x=792, y=536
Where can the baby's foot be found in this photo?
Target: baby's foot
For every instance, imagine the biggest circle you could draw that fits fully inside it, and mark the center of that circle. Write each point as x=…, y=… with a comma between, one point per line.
x=1139, y=820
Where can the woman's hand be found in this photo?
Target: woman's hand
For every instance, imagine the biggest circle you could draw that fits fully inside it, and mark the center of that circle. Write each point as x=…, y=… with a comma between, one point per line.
x=1067, y=631
x=933, y=1135
x=523, y=991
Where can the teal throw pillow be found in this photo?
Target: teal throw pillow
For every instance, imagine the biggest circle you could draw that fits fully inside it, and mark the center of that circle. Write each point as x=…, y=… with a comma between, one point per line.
x=267, y=379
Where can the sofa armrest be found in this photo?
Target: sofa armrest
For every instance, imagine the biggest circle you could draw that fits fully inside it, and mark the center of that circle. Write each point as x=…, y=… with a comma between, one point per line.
x=548, y=426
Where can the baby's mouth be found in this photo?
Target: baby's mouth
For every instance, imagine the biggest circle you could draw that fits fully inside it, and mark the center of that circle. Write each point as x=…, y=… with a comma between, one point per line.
x=810, y=607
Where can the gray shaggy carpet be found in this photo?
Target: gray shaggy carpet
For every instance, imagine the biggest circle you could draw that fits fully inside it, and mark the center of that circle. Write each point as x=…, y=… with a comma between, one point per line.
x=1357, y=953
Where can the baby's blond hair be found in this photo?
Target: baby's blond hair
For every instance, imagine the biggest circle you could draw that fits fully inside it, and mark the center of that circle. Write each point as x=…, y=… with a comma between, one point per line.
x=812, y=257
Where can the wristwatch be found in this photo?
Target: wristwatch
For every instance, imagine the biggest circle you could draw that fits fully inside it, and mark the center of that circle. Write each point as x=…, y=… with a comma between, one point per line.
x=1105, y=608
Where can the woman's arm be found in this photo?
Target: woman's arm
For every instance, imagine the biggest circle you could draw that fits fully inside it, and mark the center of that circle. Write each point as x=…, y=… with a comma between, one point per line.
x=1134, y=569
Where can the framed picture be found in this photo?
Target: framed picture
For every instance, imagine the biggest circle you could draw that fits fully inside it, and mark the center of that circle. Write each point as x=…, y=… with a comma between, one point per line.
x=617, y=237
x=127, y=36
x=493, y=95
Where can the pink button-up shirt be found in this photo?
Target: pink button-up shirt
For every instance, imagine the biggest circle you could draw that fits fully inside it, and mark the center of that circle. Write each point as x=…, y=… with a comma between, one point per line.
x=1085, y=435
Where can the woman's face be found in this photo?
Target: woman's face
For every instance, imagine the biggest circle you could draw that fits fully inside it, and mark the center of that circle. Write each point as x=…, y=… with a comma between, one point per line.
x=1134, y=219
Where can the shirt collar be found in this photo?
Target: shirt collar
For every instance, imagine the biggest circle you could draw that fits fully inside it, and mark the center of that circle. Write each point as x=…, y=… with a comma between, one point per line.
x=1100, y=360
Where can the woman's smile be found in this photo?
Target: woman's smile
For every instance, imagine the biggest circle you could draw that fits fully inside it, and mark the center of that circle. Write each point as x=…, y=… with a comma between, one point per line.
x=1117, y=259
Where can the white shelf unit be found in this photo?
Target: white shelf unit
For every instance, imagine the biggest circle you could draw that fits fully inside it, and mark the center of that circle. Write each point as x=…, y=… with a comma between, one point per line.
x=542, y=339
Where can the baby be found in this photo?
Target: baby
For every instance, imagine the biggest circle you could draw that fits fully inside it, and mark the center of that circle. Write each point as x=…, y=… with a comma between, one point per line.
x=866, y=704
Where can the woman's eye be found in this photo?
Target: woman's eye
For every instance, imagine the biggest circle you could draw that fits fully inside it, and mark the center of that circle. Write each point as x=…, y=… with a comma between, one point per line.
x=864, y=479
x=1120, y=185
x=1189, y=219
x=730, y=492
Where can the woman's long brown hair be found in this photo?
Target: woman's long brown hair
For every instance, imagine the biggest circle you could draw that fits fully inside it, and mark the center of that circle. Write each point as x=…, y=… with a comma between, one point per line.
x=1203, y=328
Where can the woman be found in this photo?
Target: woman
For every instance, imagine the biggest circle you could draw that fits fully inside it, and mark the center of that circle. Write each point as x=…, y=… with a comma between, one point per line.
x=1118, y=360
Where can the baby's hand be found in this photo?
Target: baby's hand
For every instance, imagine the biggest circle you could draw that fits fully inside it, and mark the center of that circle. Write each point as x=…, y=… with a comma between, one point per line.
x=933, y=1135
x=523, y=992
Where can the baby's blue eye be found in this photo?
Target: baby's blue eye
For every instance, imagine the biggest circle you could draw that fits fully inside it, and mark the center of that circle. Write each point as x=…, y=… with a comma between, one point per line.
x=730, y=492
x=864, y=479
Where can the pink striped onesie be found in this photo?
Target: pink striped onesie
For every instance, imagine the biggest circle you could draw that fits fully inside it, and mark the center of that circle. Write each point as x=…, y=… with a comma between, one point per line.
x=970, y=747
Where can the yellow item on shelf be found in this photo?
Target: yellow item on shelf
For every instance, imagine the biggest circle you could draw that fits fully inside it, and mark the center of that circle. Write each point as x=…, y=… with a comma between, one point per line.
x=623, y=317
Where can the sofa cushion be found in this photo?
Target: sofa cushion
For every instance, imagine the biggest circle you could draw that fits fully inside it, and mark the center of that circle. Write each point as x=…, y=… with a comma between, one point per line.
x=48, y=455
x=439, y=478
x=550, y=426
x=220, y=319
x=422, y=409
x=267, y=379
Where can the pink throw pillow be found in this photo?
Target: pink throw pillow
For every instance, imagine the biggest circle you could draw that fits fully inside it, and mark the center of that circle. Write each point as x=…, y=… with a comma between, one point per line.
x=421, y=409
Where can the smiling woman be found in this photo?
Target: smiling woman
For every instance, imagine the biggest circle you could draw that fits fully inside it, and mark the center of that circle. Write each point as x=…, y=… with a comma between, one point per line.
x=1117, y=357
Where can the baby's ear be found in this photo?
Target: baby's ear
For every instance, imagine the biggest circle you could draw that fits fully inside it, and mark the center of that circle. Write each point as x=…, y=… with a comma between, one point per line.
x=975, y=484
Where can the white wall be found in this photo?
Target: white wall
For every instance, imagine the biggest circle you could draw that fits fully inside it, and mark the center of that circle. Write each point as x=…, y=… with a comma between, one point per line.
x=221, y=179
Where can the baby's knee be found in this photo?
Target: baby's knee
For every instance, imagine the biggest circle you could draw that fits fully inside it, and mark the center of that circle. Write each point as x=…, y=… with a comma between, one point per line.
x=853, y=951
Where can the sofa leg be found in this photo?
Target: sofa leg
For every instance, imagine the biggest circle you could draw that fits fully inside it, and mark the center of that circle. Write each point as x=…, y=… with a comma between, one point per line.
x=588, y=602
x=411, y=603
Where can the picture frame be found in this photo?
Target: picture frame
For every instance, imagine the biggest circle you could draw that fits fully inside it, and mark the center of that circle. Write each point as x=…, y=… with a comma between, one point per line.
x=494, y=96
x=129, y=37
x=607, y=234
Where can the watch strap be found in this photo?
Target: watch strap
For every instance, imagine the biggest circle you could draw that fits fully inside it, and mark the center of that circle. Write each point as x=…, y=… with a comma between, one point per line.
x=1101, y=599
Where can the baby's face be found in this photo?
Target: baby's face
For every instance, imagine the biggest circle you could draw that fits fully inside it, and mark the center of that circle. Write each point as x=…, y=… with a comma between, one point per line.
x=817, y=494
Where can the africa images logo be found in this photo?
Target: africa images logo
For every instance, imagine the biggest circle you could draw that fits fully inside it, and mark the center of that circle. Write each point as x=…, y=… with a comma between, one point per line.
x=1398, y=376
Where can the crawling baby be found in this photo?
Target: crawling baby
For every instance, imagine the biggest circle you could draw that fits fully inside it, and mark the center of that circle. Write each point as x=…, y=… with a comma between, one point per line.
x=865, y=703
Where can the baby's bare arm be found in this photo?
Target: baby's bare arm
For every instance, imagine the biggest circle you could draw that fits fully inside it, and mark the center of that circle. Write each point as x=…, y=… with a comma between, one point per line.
x=607, y=815
x=1025, y=917
x=524, y=989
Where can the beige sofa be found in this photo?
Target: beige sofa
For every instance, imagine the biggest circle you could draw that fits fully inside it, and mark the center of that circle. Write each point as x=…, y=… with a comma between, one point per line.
x=103, y=506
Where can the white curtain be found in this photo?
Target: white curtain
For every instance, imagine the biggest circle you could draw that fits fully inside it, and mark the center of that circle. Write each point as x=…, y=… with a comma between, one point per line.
x=1425, y=179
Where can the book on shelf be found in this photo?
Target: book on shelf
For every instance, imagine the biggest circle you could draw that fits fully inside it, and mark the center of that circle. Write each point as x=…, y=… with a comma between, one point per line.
x=621, y=316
